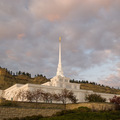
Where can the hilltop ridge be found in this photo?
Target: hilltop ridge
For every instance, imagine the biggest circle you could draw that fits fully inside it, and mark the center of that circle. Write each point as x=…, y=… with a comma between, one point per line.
x=7, y=78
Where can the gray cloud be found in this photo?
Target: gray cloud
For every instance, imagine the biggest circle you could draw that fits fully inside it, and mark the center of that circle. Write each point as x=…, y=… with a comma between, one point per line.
x=113, y=80
x=29, y=31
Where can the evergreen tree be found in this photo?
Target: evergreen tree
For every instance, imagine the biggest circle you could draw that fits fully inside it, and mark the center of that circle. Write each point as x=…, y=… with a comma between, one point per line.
x=23, y=73
x=19, y=73
x=11, y=72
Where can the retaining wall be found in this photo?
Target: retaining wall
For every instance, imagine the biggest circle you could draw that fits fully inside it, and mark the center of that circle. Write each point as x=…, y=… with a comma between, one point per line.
x=25, y=109
x=93, y=106
x=22, y=112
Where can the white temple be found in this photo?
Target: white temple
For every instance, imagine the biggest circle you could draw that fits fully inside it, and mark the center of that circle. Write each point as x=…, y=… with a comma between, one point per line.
x=56, y=84
x=60, y=80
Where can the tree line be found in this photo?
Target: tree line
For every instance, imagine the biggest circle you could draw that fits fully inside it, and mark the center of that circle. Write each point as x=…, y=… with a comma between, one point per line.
x=88, y=82
x=84, y=81
x=21, y=73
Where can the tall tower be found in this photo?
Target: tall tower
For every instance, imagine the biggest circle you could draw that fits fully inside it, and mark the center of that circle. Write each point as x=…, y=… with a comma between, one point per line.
x=59, y=69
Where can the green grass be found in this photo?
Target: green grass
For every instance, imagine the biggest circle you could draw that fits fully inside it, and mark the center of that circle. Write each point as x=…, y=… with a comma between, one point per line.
x=87, y=116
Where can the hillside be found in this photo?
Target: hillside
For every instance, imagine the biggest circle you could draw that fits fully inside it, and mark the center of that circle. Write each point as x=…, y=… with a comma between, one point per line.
x=99, y=88
x=86, y=85
x=7, y=79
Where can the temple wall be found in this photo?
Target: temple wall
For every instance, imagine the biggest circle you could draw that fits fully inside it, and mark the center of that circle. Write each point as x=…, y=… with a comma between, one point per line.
x=107, y=96
x=1, y=91
x=80, y=94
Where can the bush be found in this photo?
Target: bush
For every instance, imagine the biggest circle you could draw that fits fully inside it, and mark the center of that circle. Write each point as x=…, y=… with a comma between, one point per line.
x=8, y=103
x=34, y=117
x=80, y=109
x=116, y=101
x=16, y=118
x=64, y=112
x=95, y=98
x=84, y=109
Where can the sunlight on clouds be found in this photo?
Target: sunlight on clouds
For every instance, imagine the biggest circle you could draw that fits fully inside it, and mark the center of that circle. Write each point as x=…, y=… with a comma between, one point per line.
x=28, y=54
x=10, y=54
x=53, y=17
x=51, y=9
x=58, y=9
x=108, y=51
x=20, y=36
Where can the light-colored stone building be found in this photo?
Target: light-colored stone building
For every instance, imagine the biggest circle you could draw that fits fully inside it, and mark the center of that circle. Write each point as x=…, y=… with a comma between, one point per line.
x=56, y=84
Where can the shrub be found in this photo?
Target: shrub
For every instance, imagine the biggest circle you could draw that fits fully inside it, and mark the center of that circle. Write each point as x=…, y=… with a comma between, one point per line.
x=34, y=117
x=9, y=119
x=65, y=96
x=95, y=98
x=116, y=100
x=84, y=109
x=64, y=112
x=80, y=109
x=8, y=103
x=16, y=118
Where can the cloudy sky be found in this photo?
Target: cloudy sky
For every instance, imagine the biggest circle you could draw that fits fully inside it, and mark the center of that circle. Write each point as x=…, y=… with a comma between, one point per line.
x=90, y=31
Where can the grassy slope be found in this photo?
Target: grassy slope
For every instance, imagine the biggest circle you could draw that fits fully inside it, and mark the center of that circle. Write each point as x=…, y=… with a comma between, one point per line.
x=113, y=115
x=97, y=88
x=7, y=80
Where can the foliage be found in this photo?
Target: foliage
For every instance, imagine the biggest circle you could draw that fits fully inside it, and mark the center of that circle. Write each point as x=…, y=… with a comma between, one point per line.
x=31, y=96
x=9, y=104
x=78, y=115
x=38, y=95
x=116, y=100
x=34, y=117
x=66, y=95
x=64, y=112
x=84, y=109
x=20, y=95
x=48, y=97
x=94, y=98
x=72, y=97
x=80, y=109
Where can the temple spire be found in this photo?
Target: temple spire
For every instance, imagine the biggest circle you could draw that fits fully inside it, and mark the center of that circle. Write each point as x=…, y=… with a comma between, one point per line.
x=59, y=69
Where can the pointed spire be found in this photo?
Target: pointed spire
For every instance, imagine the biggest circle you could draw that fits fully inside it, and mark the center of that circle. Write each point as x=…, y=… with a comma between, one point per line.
x=59, y=69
